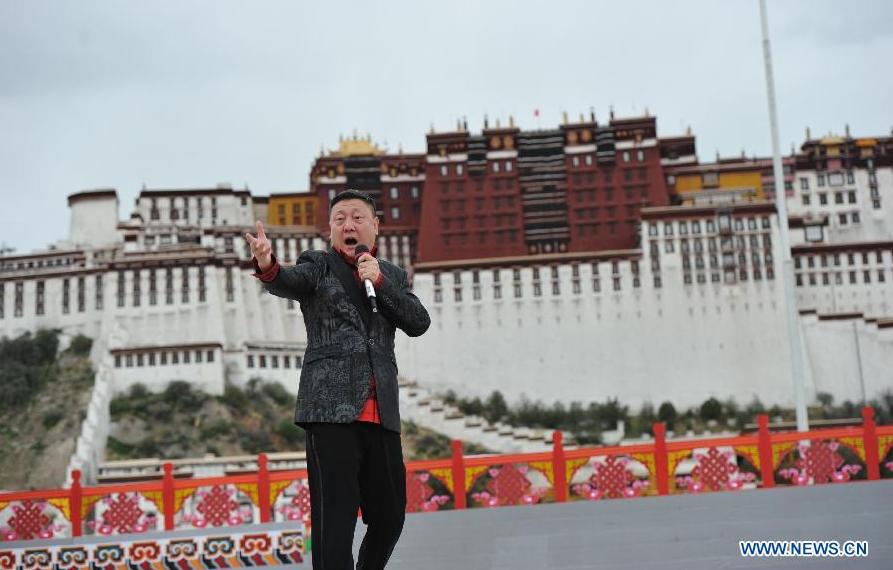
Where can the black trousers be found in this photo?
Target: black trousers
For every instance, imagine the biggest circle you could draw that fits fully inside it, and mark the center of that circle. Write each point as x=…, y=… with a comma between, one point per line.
x=351, y=466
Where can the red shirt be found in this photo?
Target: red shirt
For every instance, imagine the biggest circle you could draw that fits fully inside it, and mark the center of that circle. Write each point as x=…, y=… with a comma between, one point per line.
x=369, y=413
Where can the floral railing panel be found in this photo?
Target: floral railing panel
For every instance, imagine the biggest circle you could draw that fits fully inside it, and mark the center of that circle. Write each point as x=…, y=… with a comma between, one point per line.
x=215, y=505
x=610, y=477
x=509, y=484
x=126, y=512
x=815, y=462
x=712, y=469
x=292, y=502
x=33, y=519
x=657, y=467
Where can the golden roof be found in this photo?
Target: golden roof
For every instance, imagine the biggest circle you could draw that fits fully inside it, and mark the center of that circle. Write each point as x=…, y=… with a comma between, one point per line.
x=357, y=146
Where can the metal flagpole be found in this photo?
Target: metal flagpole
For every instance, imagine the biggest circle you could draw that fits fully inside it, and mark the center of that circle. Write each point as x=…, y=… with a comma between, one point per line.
x=787, y=274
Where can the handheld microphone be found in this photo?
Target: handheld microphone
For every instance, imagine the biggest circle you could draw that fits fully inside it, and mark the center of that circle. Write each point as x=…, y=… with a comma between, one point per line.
x=370, y=290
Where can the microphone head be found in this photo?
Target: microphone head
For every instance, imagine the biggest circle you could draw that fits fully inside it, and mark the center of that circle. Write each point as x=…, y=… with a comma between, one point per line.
x=360, y=250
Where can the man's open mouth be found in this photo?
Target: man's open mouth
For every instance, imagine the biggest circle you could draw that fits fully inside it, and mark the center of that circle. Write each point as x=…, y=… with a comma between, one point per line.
x=350, y=242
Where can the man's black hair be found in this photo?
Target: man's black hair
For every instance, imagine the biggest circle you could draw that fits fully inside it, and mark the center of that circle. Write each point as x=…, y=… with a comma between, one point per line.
x=353, y=195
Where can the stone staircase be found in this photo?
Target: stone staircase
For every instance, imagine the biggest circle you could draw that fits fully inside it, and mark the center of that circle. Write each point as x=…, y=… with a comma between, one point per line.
x=421, y=406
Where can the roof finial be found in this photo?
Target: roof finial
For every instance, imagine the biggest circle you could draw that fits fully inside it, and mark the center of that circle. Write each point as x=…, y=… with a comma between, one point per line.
x=564, y=117
x=847, y=129
x=511, y=121
x=497, y=122
x=592, y=114
x=486, y=121
x=808, y=134
x=612, y=111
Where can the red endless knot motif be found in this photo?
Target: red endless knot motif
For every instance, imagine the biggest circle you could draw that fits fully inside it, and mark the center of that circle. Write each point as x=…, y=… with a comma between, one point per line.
x=123, y=514
x=217, y=507
x=609, y=480
x=302, y=503
x=819, y=463
x=508, y=485
x=417, y=491
x=29, y=522
x=419, y=494
x=299, y=506
x=714, y=469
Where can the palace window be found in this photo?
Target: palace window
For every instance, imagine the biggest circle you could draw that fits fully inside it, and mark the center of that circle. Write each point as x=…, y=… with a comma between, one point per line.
x=66, y=295
x=39, y=309
x=98, y=293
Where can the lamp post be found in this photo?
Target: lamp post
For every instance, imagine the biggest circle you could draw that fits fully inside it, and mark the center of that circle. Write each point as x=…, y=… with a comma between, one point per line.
x=787, y=273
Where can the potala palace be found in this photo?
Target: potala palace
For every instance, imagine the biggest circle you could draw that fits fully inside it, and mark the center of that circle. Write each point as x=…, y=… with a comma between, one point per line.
x=576, y=264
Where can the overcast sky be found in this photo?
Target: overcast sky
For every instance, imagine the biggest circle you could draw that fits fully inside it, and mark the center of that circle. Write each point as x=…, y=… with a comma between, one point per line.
x=173, y=94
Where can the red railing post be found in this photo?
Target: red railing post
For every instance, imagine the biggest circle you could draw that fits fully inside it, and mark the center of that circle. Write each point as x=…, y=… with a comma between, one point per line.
x=263, y=488
x=869, y=440
x=458, y=475
x=559, y=470
x=75, y=500
x=167, y=496
x=661, y=463
x=764, y=444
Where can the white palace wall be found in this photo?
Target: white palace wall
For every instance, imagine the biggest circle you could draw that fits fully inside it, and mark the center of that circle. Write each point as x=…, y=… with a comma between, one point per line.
x=716, y=333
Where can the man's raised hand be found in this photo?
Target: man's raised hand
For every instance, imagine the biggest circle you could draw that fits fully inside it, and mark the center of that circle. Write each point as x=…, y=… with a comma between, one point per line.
x=261, y=249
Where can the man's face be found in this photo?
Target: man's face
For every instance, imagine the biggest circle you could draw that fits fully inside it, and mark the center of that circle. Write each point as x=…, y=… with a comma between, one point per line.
x=351, y=223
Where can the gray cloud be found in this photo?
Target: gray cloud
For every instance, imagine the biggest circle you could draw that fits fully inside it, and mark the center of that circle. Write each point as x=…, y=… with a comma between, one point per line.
x=100, y=93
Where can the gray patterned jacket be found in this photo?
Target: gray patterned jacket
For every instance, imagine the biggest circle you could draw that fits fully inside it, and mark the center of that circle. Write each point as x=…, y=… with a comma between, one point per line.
x=343, y=351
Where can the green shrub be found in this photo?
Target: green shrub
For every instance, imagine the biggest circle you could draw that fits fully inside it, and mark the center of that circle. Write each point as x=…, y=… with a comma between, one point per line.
x=179, y=395
x=214, y=429
x=119, y=406
x=288, y=431
x=138, y=391
x=711, y=409
x=50, y=419
x=277, y=393
x=80, y=345
x=234, y=397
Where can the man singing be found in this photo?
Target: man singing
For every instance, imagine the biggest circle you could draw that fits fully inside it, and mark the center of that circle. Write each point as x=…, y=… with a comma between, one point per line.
x=347, y=399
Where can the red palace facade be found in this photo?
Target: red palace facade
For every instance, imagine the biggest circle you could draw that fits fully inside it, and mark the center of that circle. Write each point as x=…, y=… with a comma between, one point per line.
x=509, y=192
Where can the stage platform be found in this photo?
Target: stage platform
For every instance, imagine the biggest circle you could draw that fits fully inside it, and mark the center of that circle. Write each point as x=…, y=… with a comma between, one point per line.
x=673, y=532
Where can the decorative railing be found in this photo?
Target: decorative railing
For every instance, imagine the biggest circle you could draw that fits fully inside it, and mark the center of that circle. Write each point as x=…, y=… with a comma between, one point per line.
x=659, y=467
